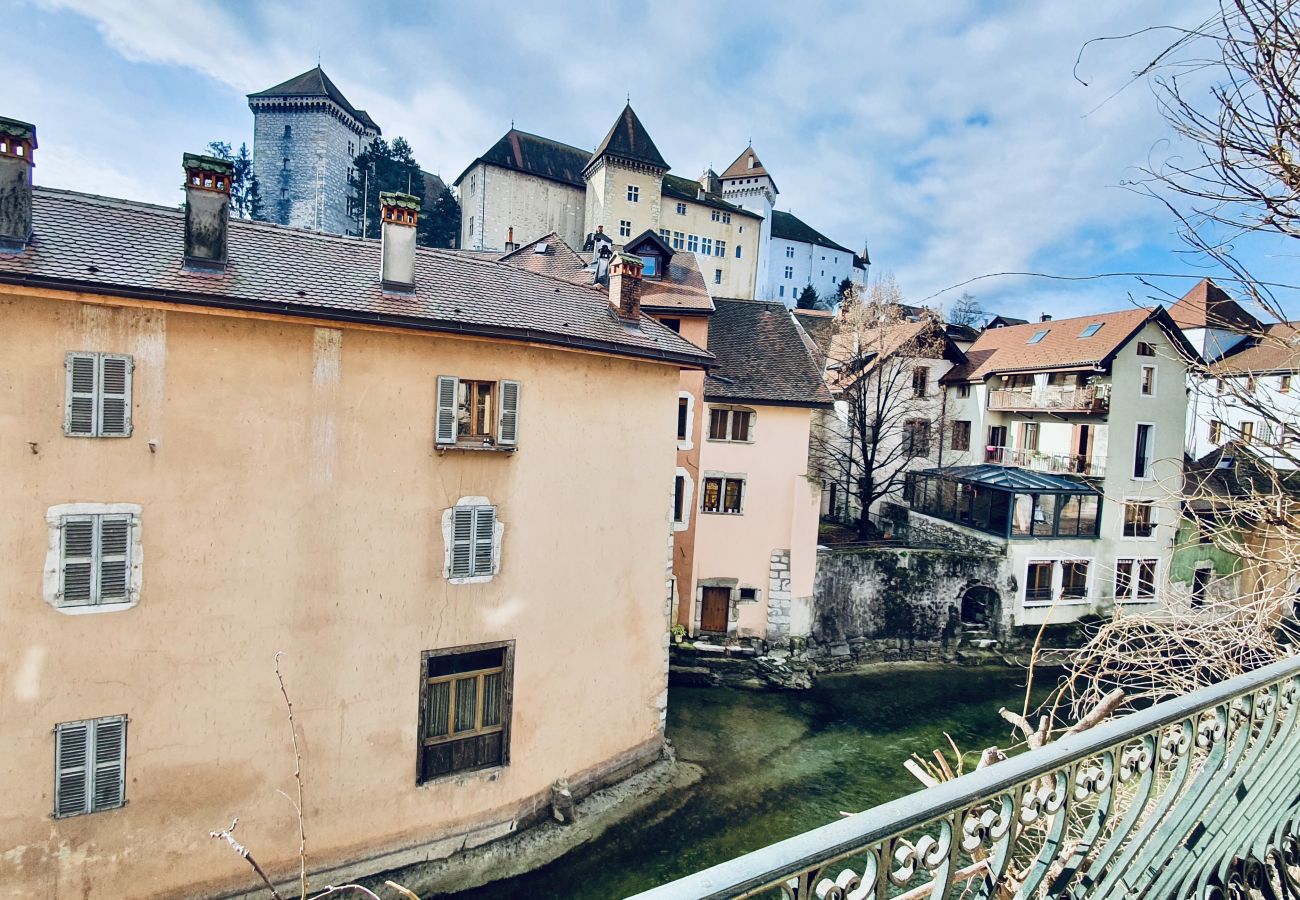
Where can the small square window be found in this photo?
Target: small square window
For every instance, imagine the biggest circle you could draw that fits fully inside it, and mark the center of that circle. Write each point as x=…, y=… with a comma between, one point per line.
x=681, y=209
x=748, y=595
x=1138, y=519
x=633, y=193
x=1145, y=349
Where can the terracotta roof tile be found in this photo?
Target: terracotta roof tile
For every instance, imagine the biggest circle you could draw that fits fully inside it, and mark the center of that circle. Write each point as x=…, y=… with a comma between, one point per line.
x=1276, y=349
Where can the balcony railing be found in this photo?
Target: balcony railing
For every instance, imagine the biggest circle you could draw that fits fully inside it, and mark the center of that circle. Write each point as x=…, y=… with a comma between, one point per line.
x=1196, y=796
x=1094, y=398
x=1056, y=463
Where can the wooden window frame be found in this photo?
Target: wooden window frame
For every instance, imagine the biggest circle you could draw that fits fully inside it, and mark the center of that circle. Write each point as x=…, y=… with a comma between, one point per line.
x=723, y=482
x=502, y=409
x=1145, y=348
x=961, y=431
x=910, y=442
x=730, y=419
x=1150, y=525
x=506, y=670
x=921, y=381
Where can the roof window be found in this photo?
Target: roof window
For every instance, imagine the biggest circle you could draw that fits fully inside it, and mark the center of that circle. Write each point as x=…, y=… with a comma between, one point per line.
x=1091, y=330
x=1038, y=336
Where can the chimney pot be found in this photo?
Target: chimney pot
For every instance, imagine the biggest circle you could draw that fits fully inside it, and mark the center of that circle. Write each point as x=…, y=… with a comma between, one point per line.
x=17, y=143
x=1044, y=317
x=399, y=214
x=207, y=210
x=625, y=287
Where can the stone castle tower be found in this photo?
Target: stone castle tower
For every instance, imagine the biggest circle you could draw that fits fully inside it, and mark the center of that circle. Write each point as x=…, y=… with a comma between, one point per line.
x=305, y=138
x=746, y=183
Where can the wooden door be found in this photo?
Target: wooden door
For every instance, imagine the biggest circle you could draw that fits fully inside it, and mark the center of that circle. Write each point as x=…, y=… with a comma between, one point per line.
x=713, y=609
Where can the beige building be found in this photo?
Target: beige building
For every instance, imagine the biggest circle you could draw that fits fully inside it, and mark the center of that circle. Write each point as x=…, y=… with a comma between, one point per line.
x=526, y=186
x=229, y=440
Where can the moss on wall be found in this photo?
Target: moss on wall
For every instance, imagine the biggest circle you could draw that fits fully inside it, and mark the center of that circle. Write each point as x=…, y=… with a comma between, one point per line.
x=1189, y=553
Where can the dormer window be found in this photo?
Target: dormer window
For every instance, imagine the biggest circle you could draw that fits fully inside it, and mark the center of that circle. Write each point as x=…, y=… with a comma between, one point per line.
x=650, y=266
x=1038, y=336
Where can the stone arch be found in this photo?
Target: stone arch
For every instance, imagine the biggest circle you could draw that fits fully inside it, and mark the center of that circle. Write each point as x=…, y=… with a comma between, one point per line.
x=981, y=606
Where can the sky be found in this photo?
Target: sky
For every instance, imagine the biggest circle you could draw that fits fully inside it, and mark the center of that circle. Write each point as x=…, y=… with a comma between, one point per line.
x=951, y=138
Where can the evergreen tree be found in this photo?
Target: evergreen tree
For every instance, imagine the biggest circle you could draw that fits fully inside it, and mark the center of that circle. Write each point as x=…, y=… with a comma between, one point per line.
x=245, y=192
x=808, y=298
x=439, y=221
x=381, y=168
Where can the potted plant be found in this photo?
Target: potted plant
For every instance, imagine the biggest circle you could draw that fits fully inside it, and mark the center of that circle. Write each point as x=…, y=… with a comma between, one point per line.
x=679, y=632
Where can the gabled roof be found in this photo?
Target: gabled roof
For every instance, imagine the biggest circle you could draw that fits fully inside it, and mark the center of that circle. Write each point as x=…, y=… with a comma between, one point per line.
x=628, y=139
x=1003, y=321
x=655, y=241
x=762, y=357
x=550, y=255
x=1062, y=347
x=788, y=227
x=677, y=188
x=520, y=151
x=1208, y=306
x=315, y=83
x=744, y=168
x=115, y=247
x=1273, y=348
x=820, y=327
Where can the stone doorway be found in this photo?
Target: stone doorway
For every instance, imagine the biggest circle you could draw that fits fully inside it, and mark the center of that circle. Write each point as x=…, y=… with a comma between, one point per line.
x=979, y=608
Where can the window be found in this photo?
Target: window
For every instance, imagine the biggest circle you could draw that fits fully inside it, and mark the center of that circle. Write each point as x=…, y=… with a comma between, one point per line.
x=681, y=209
x=89, y=765
x=285, y=165
x=624, y=228
x=679, y=240
x=633, y=194
x=477, y=413
x=472, y=537
x=1200, y=586
x=95, y=553
x=473, y=181
x=963, y=391
x=1038, y=582
x=1247, y=432
x=720, y=248
x=730, y=424
x=916, y=437
x=737, y=251
x=706, y=246
x=717, y=216
x=749, y=595
x=351, y=150
x=920, y=381
x=1148, y=383
x=1216, y=432
x=672, y=324
x=1145, y=349
x=1220, y=386
x=961, y=434
x=1029, y=436
x=724, y=495
x=1038, y=336
x=726, y=218
x=683, y=418
x=650, y=265
x=1091, y=330
x=1251, y=382
x=1142, y=451
x=679, y=498
x=781, y=291
x=789, y=253
x=1138, y=519
x=1135, y=579
x=665, y=235
x=465, y=709
x=471, y=225
x=789, y=271
x=1074, y=579
x=288, y=131
x=693, y=243
x=98, y=399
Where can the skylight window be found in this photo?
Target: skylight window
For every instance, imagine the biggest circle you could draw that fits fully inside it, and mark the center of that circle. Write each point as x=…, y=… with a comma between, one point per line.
x=1091, y=330
x=1038, y=336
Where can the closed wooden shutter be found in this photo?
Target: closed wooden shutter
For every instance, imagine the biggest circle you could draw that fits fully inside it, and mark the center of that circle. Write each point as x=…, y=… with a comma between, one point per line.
x=485, y=520
x=445, y=422
x=114, y=559
x=107, y=782
x=115, y=396
x=72, y=769
x=79, y=412
x=77, y=559
x=508, y=424
x=462, y=541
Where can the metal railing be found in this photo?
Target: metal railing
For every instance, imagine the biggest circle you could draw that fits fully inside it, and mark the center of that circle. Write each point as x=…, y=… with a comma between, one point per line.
x=1062, y=397
x=1056, y=463
x=1196, y=796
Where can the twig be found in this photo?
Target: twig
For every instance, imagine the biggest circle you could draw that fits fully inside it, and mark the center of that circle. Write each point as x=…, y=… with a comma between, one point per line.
x=297, y=775
x=228, y=835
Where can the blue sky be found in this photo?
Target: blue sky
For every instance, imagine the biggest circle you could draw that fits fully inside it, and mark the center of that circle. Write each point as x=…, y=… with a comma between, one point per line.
x=951, y=137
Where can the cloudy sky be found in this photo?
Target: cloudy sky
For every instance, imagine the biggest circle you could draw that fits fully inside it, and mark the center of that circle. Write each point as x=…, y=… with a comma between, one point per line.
x=951, y=137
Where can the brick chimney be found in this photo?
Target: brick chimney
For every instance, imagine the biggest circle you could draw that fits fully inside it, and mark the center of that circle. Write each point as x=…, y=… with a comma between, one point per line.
x=625, y=287
x=17, y=141
x=207, y=211
x=398, y=214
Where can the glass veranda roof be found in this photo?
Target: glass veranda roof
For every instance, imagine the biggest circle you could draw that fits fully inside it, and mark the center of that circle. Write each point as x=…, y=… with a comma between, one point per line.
x=1010, y=478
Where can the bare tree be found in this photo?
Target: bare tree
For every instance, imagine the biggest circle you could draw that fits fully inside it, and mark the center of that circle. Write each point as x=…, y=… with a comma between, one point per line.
x=966, y=310
x=888, y=415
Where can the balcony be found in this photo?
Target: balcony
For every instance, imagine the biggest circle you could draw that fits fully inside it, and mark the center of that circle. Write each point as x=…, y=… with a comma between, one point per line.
x=1093, y=398
x=1056, y=464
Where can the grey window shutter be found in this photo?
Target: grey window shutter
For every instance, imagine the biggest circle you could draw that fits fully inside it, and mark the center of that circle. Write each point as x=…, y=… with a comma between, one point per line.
x=462, y=541
x=115, y=396
x=79, y=411
x=508, y=421
x=485, y=520
x=77, y=561
x=71, y=768
x=445, y=424
x=114, y=559
x=107, y=782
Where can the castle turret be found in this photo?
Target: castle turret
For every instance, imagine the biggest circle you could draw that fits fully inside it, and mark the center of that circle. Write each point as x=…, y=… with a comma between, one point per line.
x=624, y=180
x=746, y=183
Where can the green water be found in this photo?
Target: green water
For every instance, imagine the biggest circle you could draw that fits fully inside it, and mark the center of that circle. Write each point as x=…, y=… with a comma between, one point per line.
x=778, y=764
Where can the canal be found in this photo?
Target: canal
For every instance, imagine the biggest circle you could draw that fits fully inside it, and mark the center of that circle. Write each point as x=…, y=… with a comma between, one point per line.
x=777, y=764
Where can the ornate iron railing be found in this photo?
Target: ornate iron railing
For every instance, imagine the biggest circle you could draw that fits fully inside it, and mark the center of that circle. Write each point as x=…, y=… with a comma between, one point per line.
x=1194, y=797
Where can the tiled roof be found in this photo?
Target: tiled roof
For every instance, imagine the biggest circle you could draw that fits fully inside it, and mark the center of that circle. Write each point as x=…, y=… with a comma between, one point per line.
x=1208, y=306
x=788, y=227
x=761, y=357
x=628, y=139
x=820, y=326
x=117, y=247
x=1008, y=349
x=1274, y=349
x=1003, y=321
x=533, y=155
x=550, y=255
x=742, y=167
x=678, y=188
x=315, y=83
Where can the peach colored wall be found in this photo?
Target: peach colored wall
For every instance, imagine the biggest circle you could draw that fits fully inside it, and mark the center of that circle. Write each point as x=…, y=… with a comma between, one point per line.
x=779, y=510
x=294, y=504
x=696, y=330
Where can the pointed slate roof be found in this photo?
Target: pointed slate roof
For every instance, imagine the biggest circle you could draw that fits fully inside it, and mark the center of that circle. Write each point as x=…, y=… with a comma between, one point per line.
x=535, y=155
x=742, y=168
x=315, y=83
x=629, y=140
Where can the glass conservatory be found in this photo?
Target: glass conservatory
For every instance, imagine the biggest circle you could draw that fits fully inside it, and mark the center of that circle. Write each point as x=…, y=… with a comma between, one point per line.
x=1006, y=501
